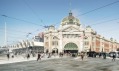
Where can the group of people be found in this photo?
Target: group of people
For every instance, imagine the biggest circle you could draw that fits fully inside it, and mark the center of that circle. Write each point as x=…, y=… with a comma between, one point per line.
x=10, y=55
x=82, y=55
x=100, y=56
x=104, y=56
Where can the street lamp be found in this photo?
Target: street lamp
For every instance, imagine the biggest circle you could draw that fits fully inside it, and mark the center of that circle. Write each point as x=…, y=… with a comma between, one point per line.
x=5, y=42
x=83, y=40
x=27, y=41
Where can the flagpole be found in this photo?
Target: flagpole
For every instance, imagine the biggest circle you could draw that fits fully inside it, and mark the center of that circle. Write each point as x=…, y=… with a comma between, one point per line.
x=5, y=36
x=5, y=39
x=27, y=42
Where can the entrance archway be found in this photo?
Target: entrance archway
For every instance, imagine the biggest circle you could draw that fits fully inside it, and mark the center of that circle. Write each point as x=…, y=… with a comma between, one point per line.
x=55, y=50
x=71, y=47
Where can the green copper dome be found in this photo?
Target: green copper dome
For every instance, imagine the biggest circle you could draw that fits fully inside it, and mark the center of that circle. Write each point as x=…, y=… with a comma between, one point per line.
x=70, y=20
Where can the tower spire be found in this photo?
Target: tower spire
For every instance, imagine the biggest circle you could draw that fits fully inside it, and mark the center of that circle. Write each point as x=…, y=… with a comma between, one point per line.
x=70, y=13
x=70, y=5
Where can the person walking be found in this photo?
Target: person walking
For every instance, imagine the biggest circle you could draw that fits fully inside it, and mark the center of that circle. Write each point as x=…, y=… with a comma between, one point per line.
x=28, y=56
x=39, y=56
x=8, y=56
x=82, y=56
x=12, y=55
x=104, y=56
x=99, y=55
x=113, y=57
x=49, y=55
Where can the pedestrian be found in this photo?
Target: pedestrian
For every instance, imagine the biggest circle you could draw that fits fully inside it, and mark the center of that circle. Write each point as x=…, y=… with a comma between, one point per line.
x=104, y=56
x=82, y=56
x=49, y=55
x=113, y=57
x=94, y=55
x=39, y=56
x=8, y=56
x=28, y=56
x=12, y=55
x=99, y=55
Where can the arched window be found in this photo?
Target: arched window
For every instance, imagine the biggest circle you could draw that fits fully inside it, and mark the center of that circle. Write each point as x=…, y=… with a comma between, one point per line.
x=70, y=46
x=71, y=21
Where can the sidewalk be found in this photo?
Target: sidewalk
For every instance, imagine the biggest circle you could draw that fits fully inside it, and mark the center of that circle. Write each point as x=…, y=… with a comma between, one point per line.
x=4, y=60
x=85, y=58
x=111, y=58
x=22, y=59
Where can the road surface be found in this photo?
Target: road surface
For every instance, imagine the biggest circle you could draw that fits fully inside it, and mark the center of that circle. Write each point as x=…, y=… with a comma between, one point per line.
x=64, y=64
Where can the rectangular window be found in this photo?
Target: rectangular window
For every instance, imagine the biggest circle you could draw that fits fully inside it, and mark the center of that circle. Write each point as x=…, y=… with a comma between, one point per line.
x=54, y=43
x=86, y=43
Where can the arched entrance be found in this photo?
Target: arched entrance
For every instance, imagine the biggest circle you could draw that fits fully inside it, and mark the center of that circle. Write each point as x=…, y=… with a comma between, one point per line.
x=55, y=50
x=71, y=47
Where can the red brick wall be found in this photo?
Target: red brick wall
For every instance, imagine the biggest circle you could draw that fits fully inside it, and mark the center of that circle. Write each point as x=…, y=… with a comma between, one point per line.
x=97, y=43
x=97, y=50
x=106, y=46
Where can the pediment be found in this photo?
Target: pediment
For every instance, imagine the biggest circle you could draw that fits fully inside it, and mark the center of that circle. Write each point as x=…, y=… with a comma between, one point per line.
x=71, y=28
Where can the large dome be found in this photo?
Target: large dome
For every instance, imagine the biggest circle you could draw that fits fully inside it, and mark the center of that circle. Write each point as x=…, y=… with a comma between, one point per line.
x=70, y=20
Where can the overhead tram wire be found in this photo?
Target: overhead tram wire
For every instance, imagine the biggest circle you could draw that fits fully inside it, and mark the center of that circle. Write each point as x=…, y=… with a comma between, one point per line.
x=11, y=33
x=18, y=31
x=25, y=21
x=45, y=26
x=14, y=30
x=11, y=36
x=111, y=30
x=33, y=32
x=105, y=21
x=99, y=8
x=21, y=20
x=16, y=37
x=33, y=11
x=56, y=24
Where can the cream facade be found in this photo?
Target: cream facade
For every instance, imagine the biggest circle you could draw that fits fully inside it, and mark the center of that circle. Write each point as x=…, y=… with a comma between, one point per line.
x=72, y=37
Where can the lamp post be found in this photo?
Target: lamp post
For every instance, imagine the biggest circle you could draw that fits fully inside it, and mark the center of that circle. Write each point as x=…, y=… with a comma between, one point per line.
x=83, y=40
x=5, y=40
x=27, y=41
x=6, y=37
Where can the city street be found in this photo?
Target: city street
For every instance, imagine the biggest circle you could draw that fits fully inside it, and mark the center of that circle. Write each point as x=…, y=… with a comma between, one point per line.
x=64, y=64
x=59, y=35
